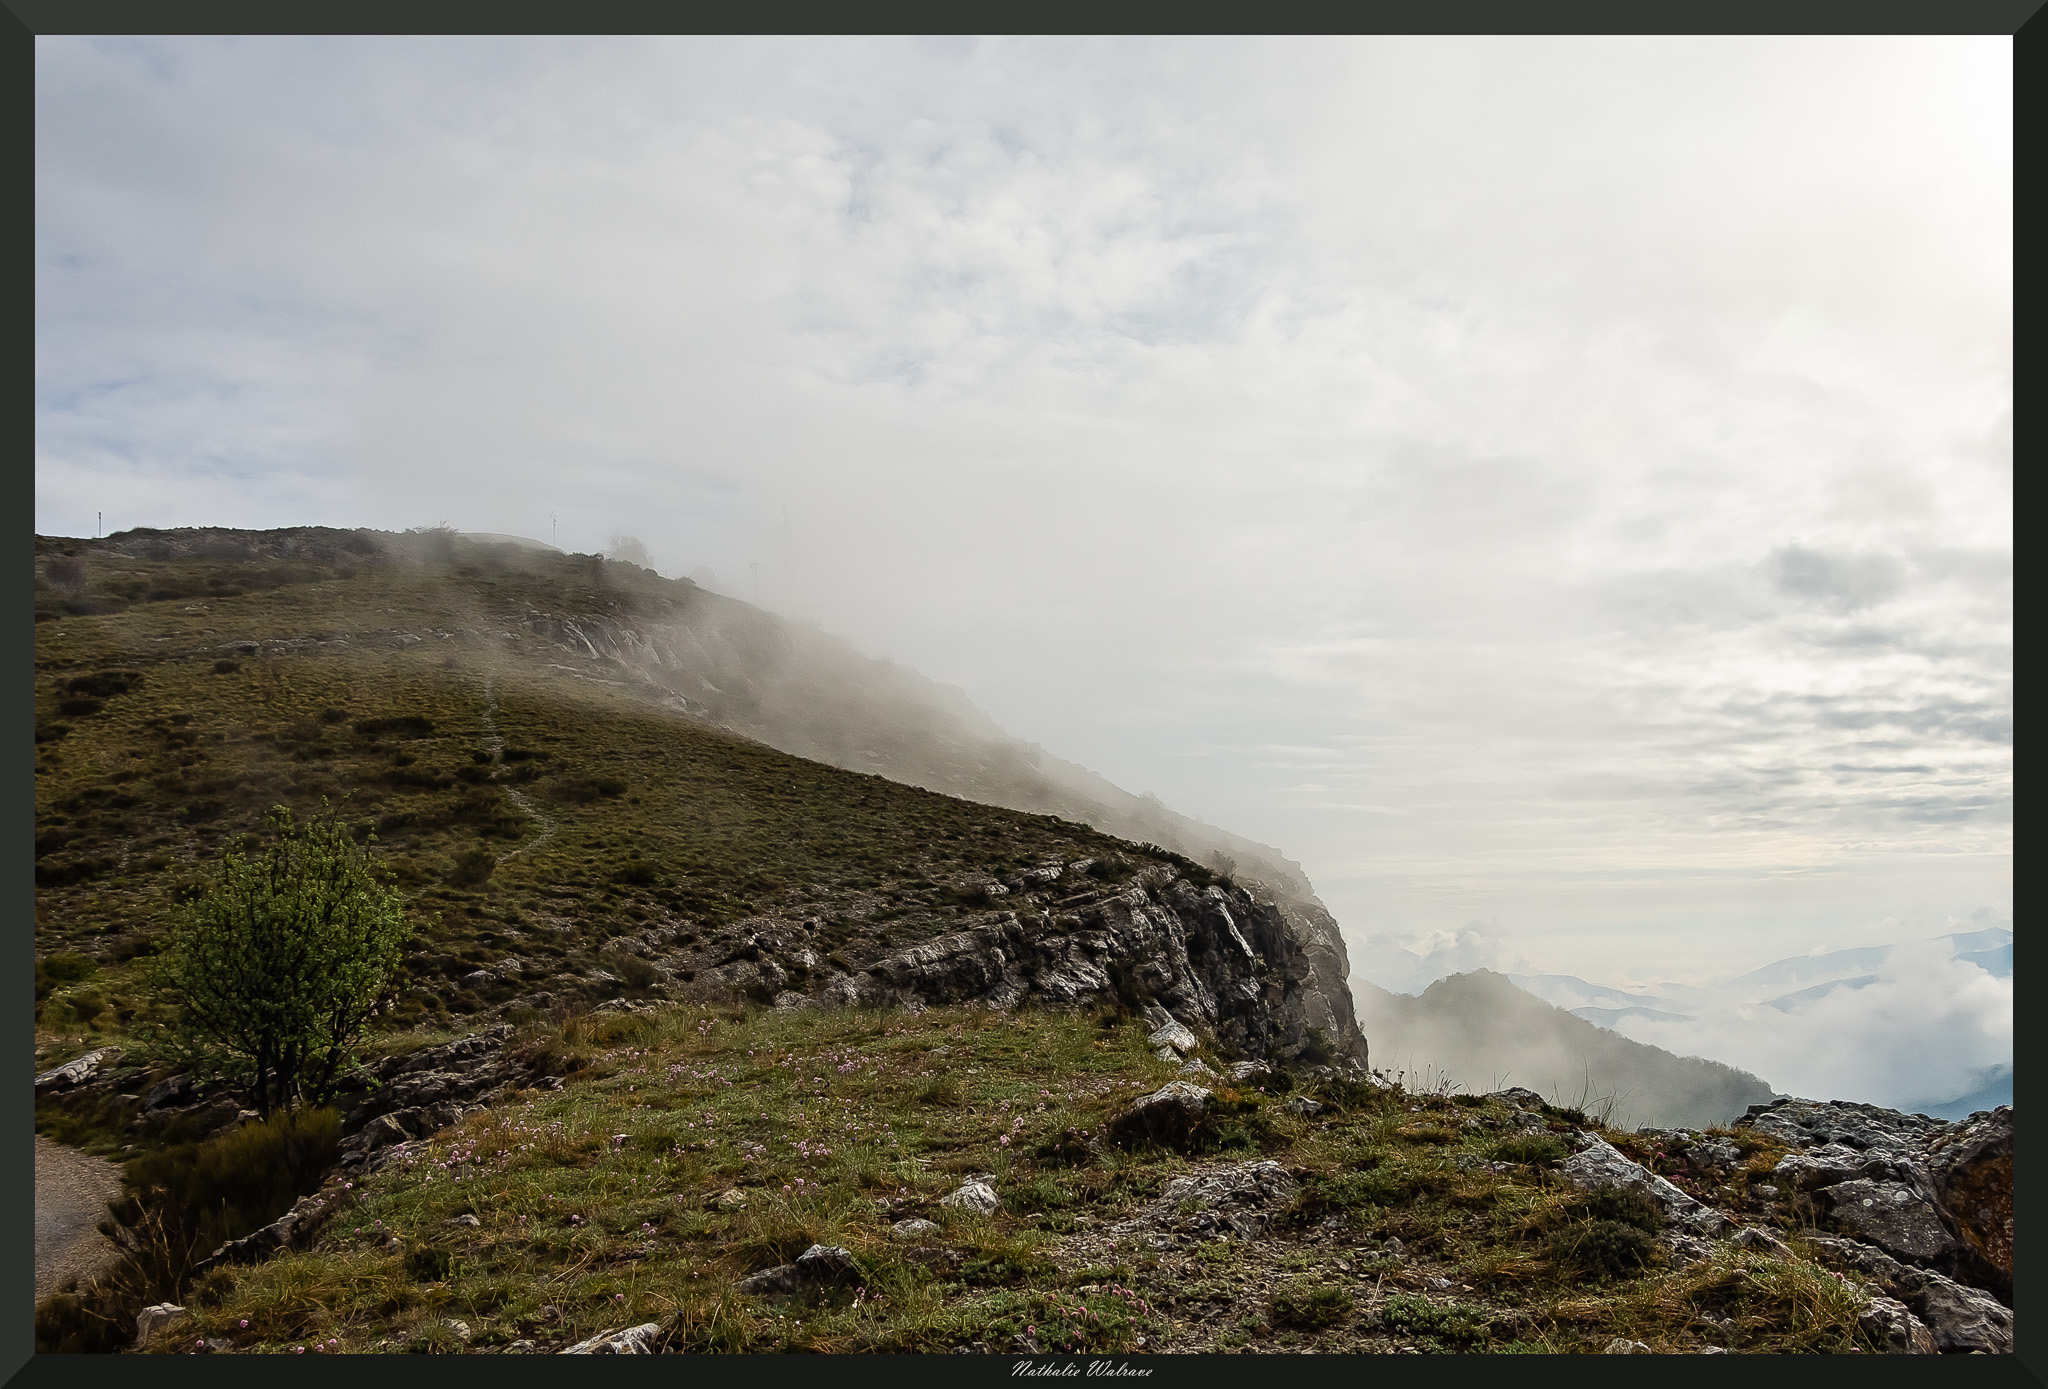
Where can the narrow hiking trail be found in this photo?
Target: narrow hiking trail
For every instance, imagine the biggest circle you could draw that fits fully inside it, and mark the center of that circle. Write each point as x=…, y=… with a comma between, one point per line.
x=72, y=1192
x=496, y=743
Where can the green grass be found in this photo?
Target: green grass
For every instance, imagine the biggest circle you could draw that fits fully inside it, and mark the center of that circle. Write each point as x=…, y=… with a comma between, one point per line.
x=599, y=1206
x=529, y=812
x=660, y=820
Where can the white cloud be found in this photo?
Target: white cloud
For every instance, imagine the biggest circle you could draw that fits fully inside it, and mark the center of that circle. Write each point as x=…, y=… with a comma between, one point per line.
x=1921, y=1032
x=1589, y=461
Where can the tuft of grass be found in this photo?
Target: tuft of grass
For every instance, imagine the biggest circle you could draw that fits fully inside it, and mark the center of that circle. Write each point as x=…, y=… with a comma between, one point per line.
x=1445, y=1325
x=1599, y=1249
x=1531, y=1150
x=1312, y=1306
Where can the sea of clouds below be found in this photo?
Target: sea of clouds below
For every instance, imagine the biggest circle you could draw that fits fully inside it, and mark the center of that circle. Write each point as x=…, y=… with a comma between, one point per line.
x=1927, y=1029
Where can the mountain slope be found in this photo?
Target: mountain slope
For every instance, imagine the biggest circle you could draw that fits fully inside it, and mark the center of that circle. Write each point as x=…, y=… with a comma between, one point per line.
x=1480, y=1032
x=580, y=830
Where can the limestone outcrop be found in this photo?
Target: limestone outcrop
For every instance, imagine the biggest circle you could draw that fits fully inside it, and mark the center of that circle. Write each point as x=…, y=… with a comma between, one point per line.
x=1213, y=959
x=1930, y=1194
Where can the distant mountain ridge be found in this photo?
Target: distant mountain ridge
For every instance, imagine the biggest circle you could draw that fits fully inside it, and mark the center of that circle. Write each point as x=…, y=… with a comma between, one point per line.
x=1478, y=1031
x=1781, y=984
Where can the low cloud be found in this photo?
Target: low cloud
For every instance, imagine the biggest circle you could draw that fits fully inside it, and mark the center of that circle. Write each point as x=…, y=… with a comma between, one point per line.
x=1923, y=1031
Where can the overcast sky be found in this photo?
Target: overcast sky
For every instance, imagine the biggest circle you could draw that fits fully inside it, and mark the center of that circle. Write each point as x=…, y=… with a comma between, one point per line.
x=1563, y=485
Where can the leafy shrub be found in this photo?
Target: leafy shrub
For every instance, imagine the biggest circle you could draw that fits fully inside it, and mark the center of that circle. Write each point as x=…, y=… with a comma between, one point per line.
x=1317, y=1048
x=60, y=872
x=633, y=972
x=1599, y=1248
x=277, y=965
x=1447, y=1323
x=1310, y=1305
x=1622, y=1204
x=584, y=788
x=105, y=684
x=230, y=1185
x=1067, y=1148
x=1348, y=1092
x=56, y=970
x=487, y=808
x=65, y=573
x=183, y=1203
x=1236, y=1120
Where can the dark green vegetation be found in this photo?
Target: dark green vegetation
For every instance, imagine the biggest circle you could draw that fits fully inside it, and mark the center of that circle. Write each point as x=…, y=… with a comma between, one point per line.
x=184, y=1200
x=530, y=811
x=277, y=966
x=538, y=814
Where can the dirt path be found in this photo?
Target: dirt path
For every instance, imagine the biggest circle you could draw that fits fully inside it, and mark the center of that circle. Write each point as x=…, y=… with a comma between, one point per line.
x=72, y=1191
x=497, y=746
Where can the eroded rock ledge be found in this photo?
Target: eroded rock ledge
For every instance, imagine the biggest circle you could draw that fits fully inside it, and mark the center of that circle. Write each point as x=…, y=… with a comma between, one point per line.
x=1215, y=959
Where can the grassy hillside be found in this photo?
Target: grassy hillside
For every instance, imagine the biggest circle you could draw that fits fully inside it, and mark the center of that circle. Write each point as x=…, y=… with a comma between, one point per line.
x=527, y=809
x=539, y=808
x=692, y=1147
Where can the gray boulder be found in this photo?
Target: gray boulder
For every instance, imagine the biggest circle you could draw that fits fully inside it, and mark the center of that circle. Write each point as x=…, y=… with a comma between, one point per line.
x=824, y=1265
x=1894, y=1329
x=153, y=1319
x=820, y=1266
x=1970, y=1169
x=633, y=1340
x=1863, y=1127
x=779, y=1281
x=1169, y=1116
x=1963, y=1320
x=1890, y=1215
x=913, y=1228
x=1598, y=1163
x=76, y=1072
x=1933, y=1193
x=978, y=1197
x=1239, y=1199
x=1825, y=1166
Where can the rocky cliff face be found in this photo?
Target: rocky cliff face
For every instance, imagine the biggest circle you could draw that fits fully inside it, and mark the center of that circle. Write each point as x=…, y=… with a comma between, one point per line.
x=752, y=673
x=1213, y=958
x=1933, y=1195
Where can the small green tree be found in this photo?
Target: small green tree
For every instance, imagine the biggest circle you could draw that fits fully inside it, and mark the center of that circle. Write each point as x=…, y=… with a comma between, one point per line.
x=280, y=963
